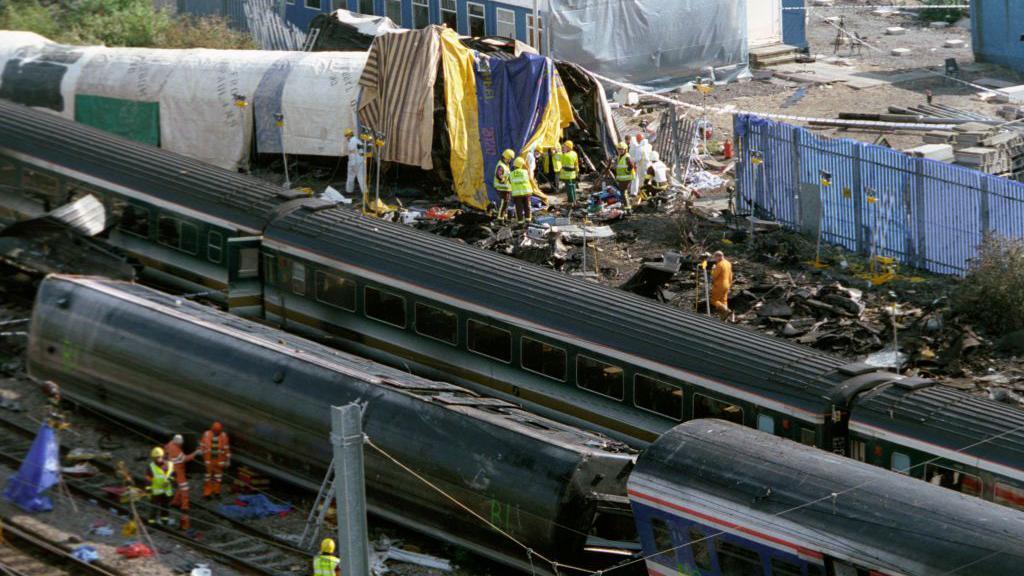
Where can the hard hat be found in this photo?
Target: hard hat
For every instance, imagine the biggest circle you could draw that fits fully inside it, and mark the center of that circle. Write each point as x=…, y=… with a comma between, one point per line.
x=508, y=154
x=655, y=156
x=216, y=427
x=379, y=143
x=327, y=546
x=519, y=163
x=569, y=144
x=621, y=146
x=156, y=452
x=365, y=137
x=178, y=440
x=349, y=132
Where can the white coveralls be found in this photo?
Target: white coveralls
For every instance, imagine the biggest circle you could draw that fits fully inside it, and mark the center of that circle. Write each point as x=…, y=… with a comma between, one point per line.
x=356, y=166
x=640, y=154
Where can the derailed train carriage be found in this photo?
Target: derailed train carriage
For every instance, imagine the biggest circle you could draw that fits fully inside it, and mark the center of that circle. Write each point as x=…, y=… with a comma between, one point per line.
x=150, y=359
x=570, y=350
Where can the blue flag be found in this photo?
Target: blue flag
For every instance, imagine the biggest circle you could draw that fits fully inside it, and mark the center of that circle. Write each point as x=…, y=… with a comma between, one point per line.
x=39, y=472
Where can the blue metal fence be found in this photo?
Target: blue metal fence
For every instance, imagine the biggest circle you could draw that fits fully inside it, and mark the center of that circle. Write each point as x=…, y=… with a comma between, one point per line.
x=927, y=214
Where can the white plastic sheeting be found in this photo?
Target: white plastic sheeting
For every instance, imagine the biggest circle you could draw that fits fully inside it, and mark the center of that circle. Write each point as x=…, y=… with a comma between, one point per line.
x=316, y=93
x=652, y=42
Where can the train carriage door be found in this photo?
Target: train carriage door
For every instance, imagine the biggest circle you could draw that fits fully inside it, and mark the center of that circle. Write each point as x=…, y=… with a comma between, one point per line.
x=245, y=287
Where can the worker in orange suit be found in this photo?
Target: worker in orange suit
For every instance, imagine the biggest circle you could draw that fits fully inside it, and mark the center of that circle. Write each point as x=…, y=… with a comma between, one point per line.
x=176, y=456
x=721, y=282
x=216, y=451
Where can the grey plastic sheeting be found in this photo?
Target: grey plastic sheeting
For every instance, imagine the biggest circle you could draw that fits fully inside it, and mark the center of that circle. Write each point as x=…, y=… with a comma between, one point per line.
x=656, y=43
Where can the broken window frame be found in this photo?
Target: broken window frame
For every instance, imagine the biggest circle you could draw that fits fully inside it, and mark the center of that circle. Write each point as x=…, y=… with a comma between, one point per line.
x=657, y=382
x=135, y=229
x=349, y=287
x=471, y=335
x=700, y=547
x=378, y=300
x=418, y=325
x=661, y=535
x=478, y=19
x=545, y=347
x=622, y=377
x=502, y=25
x=213, y=247
x=712, y=400
x=453, y=13
x=930, y=472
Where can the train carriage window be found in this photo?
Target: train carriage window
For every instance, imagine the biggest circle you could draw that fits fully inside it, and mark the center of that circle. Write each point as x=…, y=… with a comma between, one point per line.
x=815, y=570
x=8, y=173
x=335, y=291
x=214, y=247
x=900, y=462
x=782, y=567
x=657, y=396
x=437, y=323
x=384, y=306
x=858, y=450
x=298, y=278
x=599, y=377
x=177, y=234
x=1009, y=496
x=737, y=560
x=766, y=423
x=663, y=541
x=490, y=341
x=43, y=185
x=189, y=238
x=701, y=549
x=808, y=436
x=249, y=263
x=706, y=407
x=135, y=220
x=543, y=358
x=269, y=268
x=954, y=479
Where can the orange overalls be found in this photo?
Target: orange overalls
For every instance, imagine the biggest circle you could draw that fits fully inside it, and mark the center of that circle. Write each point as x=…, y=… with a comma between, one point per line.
x=217, y=456
x=721, y=281
x=178, y=458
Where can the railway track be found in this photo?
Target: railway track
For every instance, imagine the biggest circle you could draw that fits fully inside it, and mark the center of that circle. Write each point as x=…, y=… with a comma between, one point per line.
x=24, y=552
x=247, y=549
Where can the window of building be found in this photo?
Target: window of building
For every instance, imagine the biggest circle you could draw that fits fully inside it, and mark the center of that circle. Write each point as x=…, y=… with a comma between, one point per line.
x=384, y=306
x=313, y=4
x=420, y=13
x=366, y=7
x=477, y=21
x=393, y=10
x=663, y=540
x=900, y=462
x=543, y=358
x=701, y=550
x=214, y=247
x=782, y=567
x=490, y=341
x=954, y=479
x=707, y=407
x=135, y=220
x=8, y=173
x=537, y=41
x=737, y=560
x=249, y=263
x=808, y=436
x=657, y=396
x=599, y=377
x=450, y=14
x=506, y=20
x=437, y=323
x=858, y=450
x=1009, y=496
x=298, y=277
x=766, y=423
x=335, y=291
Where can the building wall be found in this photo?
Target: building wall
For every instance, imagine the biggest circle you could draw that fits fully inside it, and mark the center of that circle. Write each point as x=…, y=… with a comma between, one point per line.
x=998, y=31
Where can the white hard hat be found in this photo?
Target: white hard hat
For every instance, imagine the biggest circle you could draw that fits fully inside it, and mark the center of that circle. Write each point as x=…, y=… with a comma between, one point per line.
x=178, y=439
x=655, y=157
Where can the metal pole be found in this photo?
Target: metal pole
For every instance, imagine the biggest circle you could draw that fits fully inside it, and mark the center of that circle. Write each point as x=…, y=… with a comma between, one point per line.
x=707, y=291
x=535, y=34
x=379, y=151
x=284, y=155
x=350, y=489
x=547, y=31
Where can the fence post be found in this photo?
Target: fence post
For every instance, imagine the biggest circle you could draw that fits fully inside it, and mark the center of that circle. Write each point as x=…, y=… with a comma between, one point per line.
x=798, y=213
x=983, y=209
x=857, y=192
x=919, y=214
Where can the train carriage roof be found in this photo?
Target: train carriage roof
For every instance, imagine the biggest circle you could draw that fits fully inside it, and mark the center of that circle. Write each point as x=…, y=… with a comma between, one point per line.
x=804, y=497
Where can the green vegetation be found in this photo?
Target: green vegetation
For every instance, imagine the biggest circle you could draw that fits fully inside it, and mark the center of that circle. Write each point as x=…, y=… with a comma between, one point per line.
x=942, y=14
x=992, y=294
x=118, y=23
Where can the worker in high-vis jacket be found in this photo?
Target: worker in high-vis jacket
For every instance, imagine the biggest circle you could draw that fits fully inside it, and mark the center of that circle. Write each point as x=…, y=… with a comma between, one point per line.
x=625, y=173
x=326, y=563
x=519, y=181
x=161, y=486
x=570, y=171
x=656, y=179
x=502, y=184
x=216, y=449
x=175, y=454
x=721, y=282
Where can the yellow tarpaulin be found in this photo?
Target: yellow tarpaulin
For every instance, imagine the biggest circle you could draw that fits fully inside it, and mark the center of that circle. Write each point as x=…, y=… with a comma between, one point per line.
x=557, y=117
x=467, y=160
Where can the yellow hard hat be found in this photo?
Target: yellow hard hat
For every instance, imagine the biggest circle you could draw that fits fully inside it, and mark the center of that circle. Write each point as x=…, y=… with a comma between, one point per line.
x=379, y=143
x=349, y=132
x=519, y=163
x=569, y=144
x=327, y=546
x=508, y=154
x=364, y=137
x=156, y=452
x=621, y=146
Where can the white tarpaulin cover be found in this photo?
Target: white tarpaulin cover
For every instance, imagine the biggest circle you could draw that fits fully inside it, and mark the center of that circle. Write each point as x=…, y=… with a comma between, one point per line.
x=316, y=93
x=652, y=42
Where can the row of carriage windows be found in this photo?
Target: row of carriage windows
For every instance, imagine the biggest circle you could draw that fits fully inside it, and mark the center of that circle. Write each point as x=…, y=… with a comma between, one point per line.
x=172, y=232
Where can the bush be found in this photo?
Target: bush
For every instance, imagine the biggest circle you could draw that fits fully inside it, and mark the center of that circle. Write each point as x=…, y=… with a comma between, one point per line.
x=992, y=294
x=119, y=23
x=942, y=14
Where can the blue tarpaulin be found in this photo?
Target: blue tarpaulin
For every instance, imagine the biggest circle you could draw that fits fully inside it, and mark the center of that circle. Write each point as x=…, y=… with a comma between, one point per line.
x=512, y=96
x=39, y=472
x=253, y=506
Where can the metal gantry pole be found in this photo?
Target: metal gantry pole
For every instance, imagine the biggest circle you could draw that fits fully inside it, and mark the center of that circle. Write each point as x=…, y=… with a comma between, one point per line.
x=350, y=489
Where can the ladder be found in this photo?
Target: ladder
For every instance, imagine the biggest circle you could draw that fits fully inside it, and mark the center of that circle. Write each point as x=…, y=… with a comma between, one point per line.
x=311, y=36
x=315, y=519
